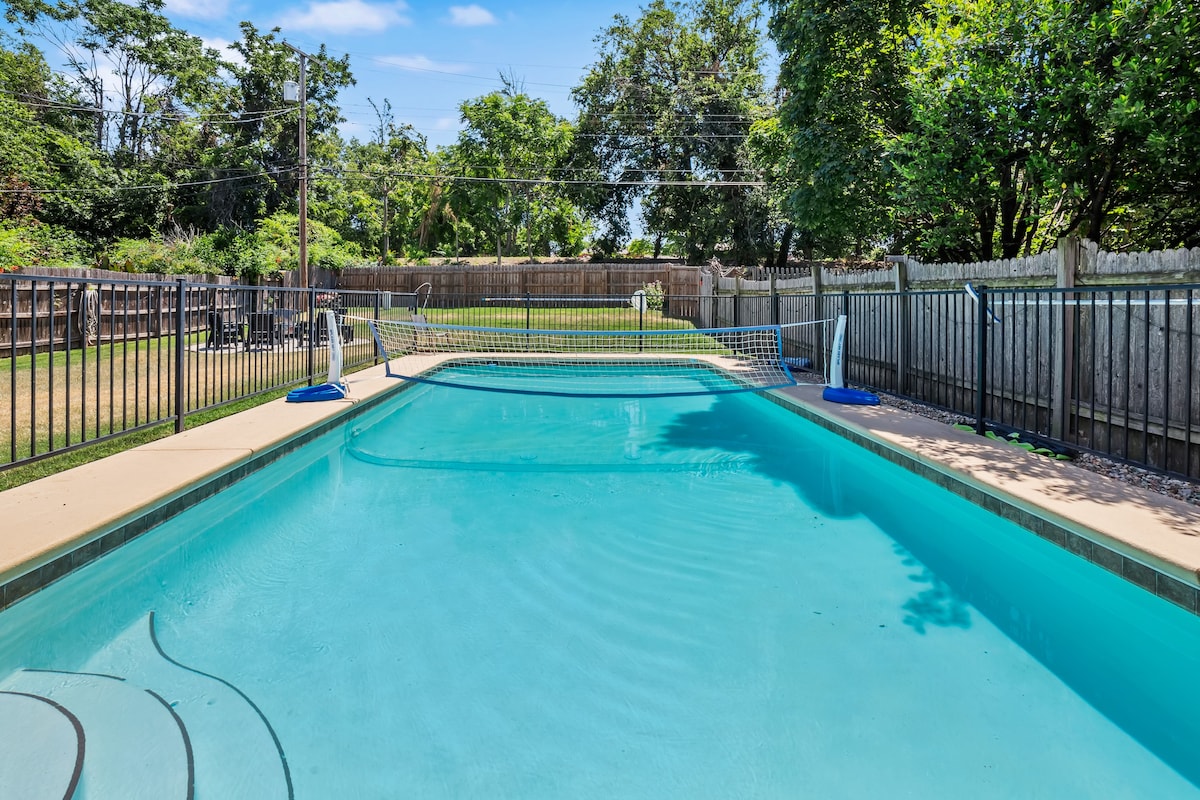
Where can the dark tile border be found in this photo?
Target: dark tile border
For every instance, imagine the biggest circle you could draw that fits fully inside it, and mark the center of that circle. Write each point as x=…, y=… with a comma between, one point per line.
x=1158, y=583
x=144, y=519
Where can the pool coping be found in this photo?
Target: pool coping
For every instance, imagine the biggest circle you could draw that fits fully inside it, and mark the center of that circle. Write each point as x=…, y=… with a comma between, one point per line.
x=53, y=526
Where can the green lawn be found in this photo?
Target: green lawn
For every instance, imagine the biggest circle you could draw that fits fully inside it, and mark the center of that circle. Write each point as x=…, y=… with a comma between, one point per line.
x=568, y=319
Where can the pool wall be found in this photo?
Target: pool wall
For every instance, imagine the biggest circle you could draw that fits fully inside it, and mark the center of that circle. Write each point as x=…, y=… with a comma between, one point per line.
x=1148, y=539
x=56, y=525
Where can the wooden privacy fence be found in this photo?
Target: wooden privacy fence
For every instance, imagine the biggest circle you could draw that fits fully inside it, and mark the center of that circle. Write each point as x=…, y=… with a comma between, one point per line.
x=59, y=311
x=541, y=280
x=1113, y=368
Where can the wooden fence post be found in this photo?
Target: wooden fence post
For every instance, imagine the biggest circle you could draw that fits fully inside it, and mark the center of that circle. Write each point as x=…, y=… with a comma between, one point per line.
x=817, y=289
x=1063, y=332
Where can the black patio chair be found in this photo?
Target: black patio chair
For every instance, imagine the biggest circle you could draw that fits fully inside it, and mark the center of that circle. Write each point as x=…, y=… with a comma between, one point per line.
x=222, y=332
x=263, y=329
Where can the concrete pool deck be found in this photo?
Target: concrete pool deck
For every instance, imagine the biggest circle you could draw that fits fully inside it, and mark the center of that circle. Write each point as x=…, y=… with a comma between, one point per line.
x=60, y=522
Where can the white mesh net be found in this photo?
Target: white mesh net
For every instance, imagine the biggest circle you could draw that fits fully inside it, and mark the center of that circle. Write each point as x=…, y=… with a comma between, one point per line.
x=586, y=363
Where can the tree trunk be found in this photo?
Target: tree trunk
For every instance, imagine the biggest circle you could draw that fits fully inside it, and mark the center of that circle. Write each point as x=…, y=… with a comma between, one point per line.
x=785, y=246
x=987, y=232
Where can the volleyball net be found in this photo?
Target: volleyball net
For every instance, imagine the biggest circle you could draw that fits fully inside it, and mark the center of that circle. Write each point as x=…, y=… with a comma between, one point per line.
x=592, y=363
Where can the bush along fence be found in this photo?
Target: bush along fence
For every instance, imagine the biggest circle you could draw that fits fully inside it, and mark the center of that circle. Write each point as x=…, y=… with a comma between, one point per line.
x=1101, y=366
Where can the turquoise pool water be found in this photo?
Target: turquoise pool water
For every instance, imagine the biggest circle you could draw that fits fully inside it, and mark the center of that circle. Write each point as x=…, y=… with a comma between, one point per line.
x=473, y=595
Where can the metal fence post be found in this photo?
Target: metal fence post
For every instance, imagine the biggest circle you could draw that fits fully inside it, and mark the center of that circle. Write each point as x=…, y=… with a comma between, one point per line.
x=846, y=342
x=312, y=333
x=774, y=302
x=737, y=301
x=903, y=320
x=981, y=342
x=180, y=332
x=378, y=303
x=1063, y=340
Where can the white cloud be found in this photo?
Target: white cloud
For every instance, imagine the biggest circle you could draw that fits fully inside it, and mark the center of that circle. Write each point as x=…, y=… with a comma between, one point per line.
x=346, y=16
x=471, y=16
x=421, y=64
x=198, y=9
x=445, y=124
x=223, y=46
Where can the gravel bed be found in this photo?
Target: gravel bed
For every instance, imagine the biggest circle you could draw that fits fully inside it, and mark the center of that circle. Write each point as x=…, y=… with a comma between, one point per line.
x=1134, y=476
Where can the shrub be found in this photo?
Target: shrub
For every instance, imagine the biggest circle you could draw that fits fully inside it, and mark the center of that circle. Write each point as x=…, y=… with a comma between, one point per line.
x=640, y=248
x=654, y=295
x=28, y=243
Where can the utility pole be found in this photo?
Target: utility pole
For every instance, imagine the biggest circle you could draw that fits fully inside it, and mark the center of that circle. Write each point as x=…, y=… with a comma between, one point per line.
x=304, y=278
x=386, y=244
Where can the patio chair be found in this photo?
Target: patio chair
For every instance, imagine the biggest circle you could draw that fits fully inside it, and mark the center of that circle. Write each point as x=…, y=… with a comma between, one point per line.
x=263, y=329
x=222, y=332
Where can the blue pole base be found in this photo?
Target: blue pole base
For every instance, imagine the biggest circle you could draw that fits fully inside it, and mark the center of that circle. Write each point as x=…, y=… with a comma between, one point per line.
x=852, y=397
x=312, y=394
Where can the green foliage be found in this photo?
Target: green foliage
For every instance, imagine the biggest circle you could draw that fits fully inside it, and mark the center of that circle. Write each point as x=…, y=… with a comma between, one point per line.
x=654, y=295
x=278, y=246
x=669, y=100
x=28, y=243
x=510, y=135
x=845, y=100
x=971, y=129
x=640, y=248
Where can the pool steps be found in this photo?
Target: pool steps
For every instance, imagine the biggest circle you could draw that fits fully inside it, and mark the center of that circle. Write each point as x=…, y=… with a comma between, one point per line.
x=150, y=728
x=38, y=731
x=133, y=747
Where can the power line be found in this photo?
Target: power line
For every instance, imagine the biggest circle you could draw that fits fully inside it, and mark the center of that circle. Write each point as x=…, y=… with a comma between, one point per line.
x=230, y=118
x=703, y=184
x=150, y=187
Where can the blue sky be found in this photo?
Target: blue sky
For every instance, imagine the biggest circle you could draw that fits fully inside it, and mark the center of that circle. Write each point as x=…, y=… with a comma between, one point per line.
x=425, y=57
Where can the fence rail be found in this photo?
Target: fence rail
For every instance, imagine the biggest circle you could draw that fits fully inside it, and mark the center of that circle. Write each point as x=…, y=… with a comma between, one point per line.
x=1111, y=370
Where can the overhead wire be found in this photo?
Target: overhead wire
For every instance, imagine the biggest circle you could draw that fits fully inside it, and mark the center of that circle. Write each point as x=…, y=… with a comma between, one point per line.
x=151, y=187
x=230, y=118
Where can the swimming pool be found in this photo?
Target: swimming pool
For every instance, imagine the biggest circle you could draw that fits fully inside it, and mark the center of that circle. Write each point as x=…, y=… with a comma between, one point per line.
x=465, y=594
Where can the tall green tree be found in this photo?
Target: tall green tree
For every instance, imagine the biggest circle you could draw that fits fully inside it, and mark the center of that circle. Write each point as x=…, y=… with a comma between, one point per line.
x=515, y=146
x=668, y=104
x=371, y=200
x=254, y=138
x=844, y=100
x=1127, y=80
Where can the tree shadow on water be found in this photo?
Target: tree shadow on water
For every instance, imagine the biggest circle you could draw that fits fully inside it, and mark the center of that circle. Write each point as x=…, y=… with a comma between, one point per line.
x=936, y=605
x=780, y=454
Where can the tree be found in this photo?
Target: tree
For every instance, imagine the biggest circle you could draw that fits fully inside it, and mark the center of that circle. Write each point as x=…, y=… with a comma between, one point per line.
x=515, y=145
x=368, y=199
x=844, y=100
x=982, y=128
x=669, y=104
x=257, y=137
x=1127, y=81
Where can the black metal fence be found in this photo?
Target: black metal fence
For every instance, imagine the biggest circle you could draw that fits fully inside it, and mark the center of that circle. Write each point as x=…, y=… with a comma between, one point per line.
x=1110, y=370
x=86, y=361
